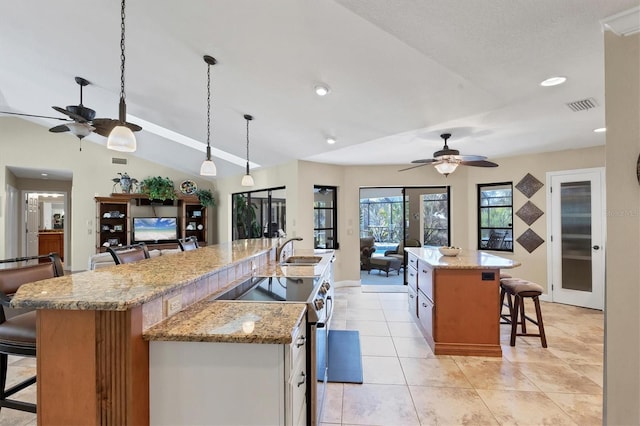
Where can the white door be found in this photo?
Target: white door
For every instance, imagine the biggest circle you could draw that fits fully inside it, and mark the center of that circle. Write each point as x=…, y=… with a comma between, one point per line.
x=576, y=235
x=32, y=221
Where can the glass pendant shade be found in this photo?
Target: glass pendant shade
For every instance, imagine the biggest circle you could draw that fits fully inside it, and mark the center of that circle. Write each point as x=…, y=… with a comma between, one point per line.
x=80, y=129
x=446, y=168
x=121, y=139
x=208, y=168
x=247, y=180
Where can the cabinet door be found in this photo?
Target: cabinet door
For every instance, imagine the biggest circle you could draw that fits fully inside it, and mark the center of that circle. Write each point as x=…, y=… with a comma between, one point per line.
x=413, y=302
x=425, y=280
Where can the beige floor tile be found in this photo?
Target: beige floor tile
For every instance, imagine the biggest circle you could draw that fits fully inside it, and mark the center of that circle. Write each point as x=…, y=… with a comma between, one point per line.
x=378, y=405
x=558, y=378
x=580, y=353
x=15, y=418
x=394, y=305
x=594, y=372
x=377, y=346
x=364, y=304
x=404, y=329
x=398, y=315
x=365, y=314
x=384, y=370
x=524, y=408
x=585, y=410
x=369, y=328
x=433, y=372
x=412, y=347
x=339, y=324
x=332, y=411
x=526, y=353
x=487, y=373
x=450, y=406
x=400, y=296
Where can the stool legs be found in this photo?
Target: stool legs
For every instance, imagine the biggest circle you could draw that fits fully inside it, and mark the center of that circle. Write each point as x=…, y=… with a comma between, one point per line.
x=517, y=309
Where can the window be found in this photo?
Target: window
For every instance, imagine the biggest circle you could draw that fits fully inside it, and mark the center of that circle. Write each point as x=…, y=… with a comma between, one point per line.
x=495, y=216
x=436, y=218
x=259, y=213
x=325, y=217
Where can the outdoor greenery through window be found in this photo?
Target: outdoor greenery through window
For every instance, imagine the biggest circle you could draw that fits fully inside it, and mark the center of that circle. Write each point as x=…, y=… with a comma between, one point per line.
x=436, y=219
x=325, y=217
x=495, y=216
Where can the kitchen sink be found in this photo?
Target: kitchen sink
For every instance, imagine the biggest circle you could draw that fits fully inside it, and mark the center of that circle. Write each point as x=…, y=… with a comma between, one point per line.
x=302, y=260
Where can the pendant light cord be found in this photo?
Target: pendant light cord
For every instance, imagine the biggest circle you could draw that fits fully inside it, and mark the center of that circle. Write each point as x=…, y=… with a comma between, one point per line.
x=247, y=141
x=122, y=57
x=208, y=110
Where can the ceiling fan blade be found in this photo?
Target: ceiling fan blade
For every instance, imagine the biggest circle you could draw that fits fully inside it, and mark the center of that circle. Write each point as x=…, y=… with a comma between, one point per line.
x=59, y=129
x=104, y=126
x=413, y=167
x=75, y=117
x=425, y=161
x=33, y=115
x=470, y=157
x=479, y=163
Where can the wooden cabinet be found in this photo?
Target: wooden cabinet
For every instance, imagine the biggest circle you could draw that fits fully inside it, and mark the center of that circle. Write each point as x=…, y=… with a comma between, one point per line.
x=51, y=242
x=114, y=218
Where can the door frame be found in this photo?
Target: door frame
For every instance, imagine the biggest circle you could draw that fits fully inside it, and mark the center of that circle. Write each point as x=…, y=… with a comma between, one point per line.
x=603, y=226
x=65, y=229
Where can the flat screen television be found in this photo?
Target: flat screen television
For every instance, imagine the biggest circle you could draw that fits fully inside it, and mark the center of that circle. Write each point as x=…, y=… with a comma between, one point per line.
x=155, y=229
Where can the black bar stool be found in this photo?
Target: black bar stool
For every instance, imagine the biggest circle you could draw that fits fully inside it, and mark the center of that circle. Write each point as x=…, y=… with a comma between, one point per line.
x=521, y=289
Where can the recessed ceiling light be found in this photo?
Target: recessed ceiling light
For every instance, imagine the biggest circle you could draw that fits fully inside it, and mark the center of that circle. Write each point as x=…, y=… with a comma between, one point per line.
x=331, y=141
x=600, y=130
x=322, y=89
x=553, y=81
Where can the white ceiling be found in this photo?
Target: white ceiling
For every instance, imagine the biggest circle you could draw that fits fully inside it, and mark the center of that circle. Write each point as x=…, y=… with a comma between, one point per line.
x=401, y=72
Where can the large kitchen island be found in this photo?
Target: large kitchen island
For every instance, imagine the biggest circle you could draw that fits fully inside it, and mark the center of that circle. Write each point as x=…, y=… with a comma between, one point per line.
x=93, y=355
x=455, y=300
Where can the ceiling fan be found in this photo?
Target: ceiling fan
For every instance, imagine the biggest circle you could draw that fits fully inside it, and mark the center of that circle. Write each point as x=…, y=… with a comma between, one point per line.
x=447, y=160
x=80, y=121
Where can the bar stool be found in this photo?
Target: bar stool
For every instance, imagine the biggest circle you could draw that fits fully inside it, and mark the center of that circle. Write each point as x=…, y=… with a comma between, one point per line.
x=521, y=289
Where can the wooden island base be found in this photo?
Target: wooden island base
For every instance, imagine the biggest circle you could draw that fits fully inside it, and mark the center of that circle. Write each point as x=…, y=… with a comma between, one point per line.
x=455, y=300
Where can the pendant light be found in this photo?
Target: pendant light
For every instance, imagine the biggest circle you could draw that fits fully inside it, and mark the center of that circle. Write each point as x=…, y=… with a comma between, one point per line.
x=121, y=137
x=208, y=168
x=247, y=180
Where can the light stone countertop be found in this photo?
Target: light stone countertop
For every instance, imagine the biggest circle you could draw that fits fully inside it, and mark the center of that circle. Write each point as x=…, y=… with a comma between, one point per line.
x=467, y=259
x=231, y=322
x=121, y=287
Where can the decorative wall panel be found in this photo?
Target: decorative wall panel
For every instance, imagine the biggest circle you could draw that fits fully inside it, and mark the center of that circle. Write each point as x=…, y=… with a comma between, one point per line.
x=529, y=185
x=529, y=213
x=530, y=240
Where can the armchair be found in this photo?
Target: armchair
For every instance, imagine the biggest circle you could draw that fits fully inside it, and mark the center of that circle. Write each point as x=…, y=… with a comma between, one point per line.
x=367, y=247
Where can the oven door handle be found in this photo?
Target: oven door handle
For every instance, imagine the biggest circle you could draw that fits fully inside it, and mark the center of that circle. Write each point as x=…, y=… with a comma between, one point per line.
x=328, y=317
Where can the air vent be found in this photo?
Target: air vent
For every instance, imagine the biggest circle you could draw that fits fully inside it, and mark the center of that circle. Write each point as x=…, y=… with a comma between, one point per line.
x=118, y=160
x=582, y=105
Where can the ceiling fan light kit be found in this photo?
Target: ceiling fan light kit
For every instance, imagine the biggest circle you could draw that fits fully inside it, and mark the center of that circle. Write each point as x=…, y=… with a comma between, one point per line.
x=247, y=180
x=121, y=137
x=208, y=168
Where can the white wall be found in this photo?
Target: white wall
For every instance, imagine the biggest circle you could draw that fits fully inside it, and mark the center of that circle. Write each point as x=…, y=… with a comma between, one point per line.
x=25, y=144
x=622, y=294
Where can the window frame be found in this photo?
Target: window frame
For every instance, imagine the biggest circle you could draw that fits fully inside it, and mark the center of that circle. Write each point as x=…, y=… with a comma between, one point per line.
x=505, y=247
x=334, y=216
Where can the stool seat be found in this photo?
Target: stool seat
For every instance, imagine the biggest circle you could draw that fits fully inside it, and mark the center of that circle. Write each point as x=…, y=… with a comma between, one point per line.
x=520, y=289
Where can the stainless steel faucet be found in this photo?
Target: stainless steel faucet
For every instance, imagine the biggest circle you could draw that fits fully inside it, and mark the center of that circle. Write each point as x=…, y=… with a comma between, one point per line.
x=281, y=247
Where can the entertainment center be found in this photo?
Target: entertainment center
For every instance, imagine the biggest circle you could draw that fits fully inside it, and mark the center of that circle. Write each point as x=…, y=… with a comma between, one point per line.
x=123, y=219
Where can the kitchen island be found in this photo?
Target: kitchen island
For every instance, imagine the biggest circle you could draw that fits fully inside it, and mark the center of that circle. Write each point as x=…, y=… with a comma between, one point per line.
x=455, y=300
x=93, y=362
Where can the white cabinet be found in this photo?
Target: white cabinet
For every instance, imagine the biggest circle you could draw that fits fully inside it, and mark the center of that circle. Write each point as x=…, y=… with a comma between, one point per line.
x=197, y=383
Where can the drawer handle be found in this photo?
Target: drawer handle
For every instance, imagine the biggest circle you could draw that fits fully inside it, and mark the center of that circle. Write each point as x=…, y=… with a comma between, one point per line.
x=411, y=296
x=424, y=271
x=411, y=273
x=304, y=378
x=301, y=341
x=424, y=305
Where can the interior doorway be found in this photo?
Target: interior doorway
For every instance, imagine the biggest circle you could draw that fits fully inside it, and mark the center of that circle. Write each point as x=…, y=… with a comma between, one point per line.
x=394, y=217
x=576, y=254
x=44, y=229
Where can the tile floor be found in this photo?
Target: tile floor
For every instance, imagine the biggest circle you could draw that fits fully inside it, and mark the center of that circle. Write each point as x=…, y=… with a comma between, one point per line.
x=406, y=384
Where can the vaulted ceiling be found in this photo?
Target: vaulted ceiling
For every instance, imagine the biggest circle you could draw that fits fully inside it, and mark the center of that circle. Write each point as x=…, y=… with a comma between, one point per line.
x=401, y=72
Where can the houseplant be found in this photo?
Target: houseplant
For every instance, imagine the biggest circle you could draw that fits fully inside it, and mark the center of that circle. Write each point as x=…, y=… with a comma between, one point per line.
x=158, y=188
x=205, y=197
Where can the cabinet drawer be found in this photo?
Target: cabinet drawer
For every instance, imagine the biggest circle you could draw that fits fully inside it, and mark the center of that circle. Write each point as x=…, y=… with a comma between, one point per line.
x=298, y=347
x=412, y=279
x=413, y=302
x=412, y=261
x=297, y=390
x=426, y=314
x=425, y=279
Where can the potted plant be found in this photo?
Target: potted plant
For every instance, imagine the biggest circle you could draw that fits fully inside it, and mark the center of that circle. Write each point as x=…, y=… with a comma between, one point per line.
x=158, y=188
x=205, y=197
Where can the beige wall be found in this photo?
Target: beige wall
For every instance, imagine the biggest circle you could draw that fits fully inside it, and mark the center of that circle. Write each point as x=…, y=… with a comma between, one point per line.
x=25, y=144
x=622, y=294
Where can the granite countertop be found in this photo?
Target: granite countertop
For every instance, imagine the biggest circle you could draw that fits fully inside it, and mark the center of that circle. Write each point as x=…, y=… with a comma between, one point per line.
x=124, y=286
x=467, y=259
x=231, y=322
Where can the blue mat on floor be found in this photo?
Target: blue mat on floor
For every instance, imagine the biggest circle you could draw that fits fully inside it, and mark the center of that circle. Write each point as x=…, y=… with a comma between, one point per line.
x=345, y=357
